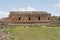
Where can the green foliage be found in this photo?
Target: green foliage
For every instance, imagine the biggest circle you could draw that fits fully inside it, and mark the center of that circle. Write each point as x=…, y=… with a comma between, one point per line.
x=58, y=18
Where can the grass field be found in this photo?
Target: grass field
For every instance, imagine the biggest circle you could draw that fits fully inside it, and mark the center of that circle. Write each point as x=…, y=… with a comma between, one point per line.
x=34, y=33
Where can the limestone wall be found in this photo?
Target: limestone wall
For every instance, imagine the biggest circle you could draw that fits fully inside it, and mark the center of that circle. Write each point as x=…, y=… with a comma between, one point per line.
x=40, y=18
x=34, y=17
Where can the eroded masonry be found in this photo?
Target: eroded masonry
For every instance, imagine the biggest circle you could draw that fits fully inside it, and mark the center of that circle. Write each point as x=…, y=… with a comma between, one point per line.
x=31, y=18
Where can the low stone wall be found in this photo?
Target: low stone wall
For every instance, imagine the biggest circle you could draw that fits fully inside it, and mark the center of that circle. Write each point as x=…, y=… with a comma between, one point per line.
x=10, y=25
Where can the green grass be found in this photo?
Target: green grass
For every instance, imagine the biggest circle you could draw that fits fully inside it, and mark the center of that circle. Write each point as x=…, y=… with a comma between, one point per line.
x=34, y=33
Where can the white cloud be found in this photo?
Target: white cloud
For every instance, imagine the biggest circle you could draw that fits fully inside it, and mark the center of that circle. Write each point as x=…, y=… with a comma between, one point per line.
x=57, y=5
x=24, y=9
x=3, y=14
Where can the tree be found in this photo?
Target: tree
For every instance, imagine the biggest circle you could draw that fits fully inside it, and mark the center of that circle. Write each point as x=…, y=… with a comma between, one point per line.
x=58, y=18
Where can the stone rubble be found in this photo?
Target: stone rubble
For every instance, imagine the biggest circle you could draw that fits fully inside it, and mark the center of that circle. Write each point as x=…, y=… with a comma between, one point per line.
x=4, y=35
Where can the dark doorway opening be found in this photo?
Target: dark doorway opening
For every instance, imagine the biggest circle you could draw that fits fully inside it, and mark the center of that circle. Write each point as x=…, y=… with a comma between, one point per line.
x=29, y=18
x=48, y=18
x=19, y=18
x=38, y=18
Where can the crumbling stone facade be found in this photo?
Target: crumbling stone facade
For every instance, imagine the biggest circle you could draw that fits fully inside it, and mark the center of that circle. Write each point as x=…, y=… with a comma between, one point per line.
x=31, y=18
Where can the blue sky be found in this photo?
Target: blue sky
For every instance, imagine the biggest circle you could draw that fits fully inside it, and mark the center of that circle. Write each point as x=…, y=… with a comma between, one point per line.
x=51, y=6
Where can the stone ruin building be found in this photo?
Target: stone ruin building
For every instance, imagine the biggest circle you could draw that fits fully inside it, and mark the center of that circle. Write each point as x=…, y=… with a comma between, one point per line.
x=30, y=18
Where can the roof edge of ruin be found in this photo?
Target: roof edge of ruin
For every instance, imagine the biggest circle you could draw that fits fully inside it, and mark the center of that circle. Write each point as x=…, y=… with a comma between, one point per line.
x=31, y=11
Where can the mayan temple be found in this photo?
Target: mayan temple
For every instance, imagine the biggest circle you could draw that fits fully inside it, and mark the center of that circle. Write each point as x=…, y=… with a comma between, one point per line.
x=31, y=18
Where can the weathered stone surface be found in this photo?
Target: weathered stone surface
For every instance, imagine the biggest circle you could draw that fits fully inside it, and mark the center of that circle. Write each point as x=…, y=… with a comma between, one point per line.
x=4, y=35
x=30, y=17
x=35, y=16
